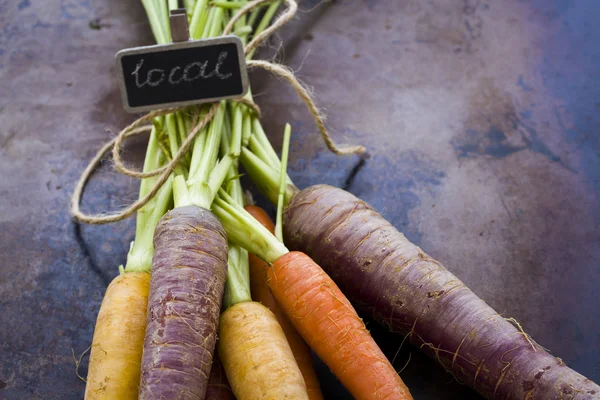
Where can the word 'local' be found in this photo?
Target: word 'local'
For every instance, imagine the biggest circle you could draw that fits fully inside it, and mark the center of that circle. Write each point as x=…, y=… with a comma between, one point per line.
x=189, y=73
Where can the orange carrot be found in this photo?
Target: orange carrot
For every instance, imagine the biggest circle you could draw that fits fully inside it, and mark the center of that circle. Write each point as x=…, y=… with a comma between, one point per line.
x=261, y=293
x=329, y=324
x=315, y=306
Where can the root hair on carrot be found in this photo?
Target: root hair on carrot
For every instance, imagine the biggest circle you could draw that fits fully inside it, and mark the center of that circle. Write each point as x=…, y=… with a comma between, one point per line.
x=78, y=361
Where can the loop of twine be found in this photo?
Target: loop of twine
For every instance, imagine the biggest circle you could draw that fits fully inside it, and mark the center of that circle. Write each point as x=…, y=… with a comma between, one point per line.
x=134, y=128
x=283, y=19
x=176, y=158
x=76, y=199
x=184, y=146
x=287, y=74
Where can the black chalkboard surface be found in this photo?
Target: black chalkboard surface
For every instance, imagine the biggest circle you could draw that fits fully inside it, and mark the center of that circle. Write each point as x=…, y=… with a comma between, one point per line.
x=181, y=74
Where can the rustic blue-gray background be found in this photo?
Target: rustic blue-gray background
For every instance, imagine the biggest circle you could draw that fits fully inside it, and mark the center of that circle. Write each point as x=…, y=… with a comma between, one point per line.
x=481, y=116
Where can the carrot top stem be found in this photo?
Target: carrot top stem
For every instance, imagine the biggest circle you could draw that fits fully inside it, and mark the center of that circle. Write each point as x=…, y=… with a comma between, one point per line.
x=228, y=4
x=254, y=15
x=264, y=166
x=217, y=22
x=200, y=173
x=181, y=194
x=141, y=250
x=245, y=231
x=237, y=286
x=189, y=4
x=159, y=30
x=265, y=176
x=242, y=21
x=199, y=17
x=282, y=181
x=173, y=4
x=264, y=22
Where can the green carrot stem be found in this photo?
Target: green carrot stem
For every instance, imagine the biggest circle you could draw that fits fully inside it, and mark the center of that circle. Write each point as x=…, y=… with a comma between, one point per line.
x=163, y=11
x=271, y=155
x=243, y=30
x=247, y=129
x=158, y=30
x=174, y=143
x=282, y=182
x=217, y=27
x=236, y=133
x=181, y=194
x=199, y=19
x=151, y=162
x=265, y=177
x=165, y=149
x=208, y=154
x=181, y=129
x=209, y=21
x=264, y=23
x=189, y=6
x=228, y=5
x=245, y=231
x=230, y=147
x=235, y=189
x=187, y=117
x=209, y=175
x=253, y=16
x=225, y=141
x=141, y=251
x=218, y=175
x=258, y=149
x=242, y=21
x=197, y=152
x=237, y=287
x=172, y=133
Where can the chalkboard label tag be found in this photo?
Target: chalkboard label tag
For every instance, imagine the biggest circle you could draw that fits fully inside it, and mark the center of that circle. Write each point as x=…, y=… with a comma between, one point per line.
x=181, y=74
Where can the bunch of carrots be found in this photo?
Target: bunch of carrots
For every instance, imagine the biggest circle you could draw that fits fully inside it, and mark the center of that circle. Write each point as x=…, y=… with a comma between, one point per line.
x=188, y=281
x=212, y=304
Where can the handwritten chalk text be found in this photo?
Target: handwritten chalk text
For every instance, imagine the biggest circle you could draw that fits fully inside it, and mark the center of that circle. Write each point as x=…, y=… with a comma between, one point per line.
x=189, y=73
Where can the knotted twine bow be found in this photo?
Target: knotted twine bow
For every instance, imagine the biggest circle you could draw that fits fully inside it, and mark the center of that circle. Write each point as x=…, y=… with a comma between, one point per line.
x=164, y=172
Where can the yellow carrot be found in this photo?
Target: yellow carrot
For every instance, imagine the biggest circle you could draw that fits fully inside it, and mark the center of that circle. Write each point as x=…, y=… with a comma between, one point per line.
x=256, y=355
x=115, y=358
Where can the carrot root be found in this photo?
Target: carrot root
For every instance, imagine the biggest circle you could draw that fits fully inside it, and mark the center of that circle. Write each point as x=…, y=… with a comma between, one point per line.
x=262, y=294
x=256, y=356
x=331, y=327
x=116, y=354
x=189, y=268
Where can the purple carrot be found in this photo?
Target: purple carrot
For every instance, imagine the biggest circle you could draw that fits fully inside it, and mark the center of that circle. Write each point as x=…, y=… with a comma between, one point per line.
x=189, y=268
x=400, y=286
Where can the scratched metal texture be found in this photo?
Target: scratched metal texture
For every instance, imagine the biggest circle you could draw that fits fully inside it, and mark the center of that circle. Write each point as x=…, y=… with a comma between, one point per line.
x=481, y=117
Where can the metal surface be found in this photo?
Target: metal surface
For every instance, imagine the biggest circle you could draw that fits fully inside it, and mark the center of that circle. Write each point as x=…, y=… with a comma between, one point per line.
x=481, y=118
x=179, y=25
